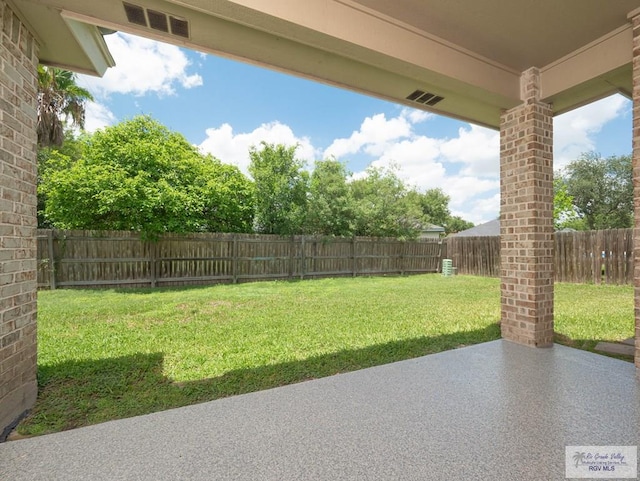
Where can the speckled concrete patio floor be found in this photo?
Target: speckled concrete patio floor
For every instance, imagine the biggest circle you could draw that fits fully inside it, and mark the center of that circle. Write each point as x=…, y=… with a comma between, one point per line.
x=493, y=411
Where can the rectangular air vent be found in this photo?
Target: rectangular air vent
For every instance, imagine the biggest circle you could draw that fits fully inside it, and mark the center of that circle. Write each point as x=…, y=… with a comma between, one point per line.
x=135, y=14
x=422, y=97
x=179, y=27
x=415, y=95
x=156, y=20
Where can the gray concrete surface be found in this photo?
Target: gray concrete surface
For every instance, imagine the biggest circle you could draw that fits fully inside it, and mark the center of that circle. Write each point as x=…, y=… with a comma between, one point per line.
x=494, y=411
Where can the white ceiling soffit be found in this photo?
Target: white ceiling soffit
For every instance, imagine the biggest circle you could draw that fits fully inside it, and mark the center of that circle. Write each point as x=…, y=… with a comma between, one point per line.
x=65, y=42
x=465, y=57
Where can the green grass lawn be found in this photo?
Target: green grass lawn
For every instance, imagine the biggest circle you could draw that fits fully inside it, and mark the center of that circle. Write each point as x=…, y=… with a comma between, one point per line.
x=106, y=354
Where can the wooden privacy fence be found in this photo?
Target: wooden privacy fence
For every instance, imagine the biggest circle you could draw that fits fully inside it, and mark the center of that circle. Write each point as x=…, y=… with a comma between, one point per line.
x=601, y=257
x=604, y=256
x=478, y=256
x=118, y=259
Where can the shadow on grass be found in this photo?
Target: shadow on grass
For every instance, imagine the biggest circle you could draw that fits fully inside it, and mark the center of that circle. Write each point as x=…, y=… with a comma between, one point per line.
x=75, y=394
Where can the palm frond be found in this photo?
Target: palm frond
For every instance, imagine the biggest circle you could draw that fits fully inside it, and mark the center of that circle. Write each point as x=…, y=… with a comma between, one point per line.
x=58, y=97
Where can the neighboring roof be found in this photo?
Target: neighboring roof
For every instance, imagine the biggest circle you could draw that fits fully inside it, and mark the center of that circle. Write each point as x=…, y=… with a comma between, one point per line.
x=491, y=228
x=432, y=228
x=462, y=59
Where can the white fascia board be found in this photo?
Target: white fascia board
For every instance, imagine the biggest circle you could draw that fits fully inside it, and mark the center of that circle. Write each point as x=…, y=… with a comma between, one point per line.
x=91, y=41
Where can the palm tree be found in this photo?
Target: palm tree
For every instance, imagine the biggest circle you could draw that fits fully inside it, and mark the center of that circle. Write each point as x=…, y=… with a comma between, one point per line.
x=58, y=96
x=579, y=458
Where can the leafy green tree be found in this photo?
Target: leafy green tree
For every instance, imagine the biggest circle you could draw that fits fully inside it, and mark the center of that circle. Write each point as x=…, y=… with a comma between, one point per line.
x=435, y=206
x=55, y=158
x=330, y=209
x=59, y=99
x=564, y=212
x=601, y=189
x=281, y=187
x=383, y=206
x=138, y=175
x=456, y=224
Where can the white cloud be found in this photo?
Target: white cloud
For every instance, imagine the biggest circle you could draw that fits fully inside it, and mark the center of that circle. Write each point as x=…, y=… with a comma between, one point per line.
x=142, y=66
x=481, y=210
x=466, y=167
x=575, y=131
x=465, y=190
x=232, y=148
x=478, y=148
x=374, y=135
x=473, y=198
x=415, y=116
x=97, y=116
x=417, y=160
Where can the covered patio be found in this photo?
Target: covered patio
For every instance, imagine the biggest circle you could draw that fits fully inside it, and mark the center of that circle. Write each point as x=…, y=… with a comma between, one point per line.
x=495, y=411
x=505, y=405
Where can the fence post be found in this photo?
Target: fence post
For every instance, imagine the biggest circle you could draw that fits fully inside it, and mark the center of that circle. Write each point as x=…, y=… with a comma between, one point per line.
x=444, y=246
x=234, y=259
x=314, y=259
x=353, y=256
x=292, y=247
x=152, y=260
x=303, y=262
x=52, y=263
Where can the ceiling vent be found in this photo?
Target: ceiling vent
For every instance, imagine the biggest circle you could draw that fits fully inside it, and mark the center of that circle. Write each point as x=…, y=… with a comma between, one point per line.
x=158, y=21
x=155, y=20
x=179, y=27
x=426, y=98
x=135, y=14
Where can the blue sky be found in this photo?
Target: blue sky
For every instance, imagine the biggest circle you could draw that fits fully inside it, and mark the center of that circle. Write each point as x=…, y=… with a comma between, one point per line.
x=224, y=107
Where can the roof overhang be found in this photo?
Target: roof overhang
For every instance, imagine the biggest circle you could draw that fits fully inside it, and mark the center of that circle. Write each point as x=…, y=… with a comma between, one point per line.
x=467, y=57
x=63, y=41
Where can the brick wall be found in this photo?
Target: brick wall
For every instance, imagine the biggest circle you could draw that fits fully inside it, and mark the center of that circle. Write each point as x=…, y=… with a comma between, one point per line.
x=526, y=218
x=636, y=178
x=18, y=89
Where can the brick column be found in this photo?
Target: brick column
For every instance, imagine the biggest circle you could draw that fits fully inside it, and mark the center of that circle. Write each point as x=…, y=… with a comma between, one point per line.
x=636, y=179
x=526, y=218
x=18, y=90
